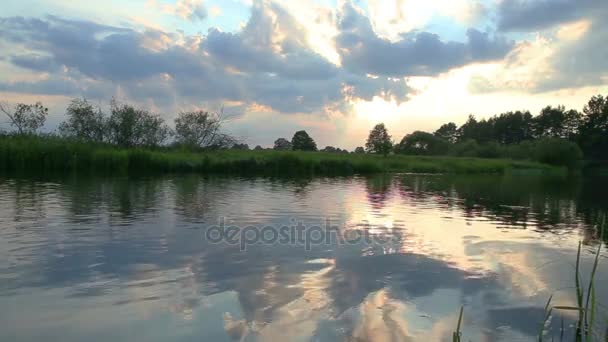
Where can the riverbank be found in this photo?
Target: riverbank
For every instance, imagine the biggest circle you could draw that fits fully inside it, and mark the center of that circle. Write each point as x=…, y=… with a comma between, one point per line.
x=53, y=155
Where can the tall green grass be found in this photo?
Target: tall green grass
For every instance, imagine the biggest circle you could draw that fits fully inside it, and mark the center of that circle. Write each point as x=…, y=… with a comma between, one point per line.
x=50, y=154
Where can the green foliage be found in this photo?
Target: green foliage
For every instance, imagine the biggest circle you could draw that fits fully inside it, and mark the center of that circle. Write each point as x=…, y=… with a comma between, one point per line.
x=27, y=119
x=359, y=150
x=200, y=129
x=559, y=152
x=556, y=122
x=594, y=130
x=301, y=141
x=84, y=122
x=447, y=132
x=132, y=127
x=511, y=127
x=242, y=147
x=379, y=141
x=422, y=143
x=282, y=144
x=54, y=155
x=552, y=151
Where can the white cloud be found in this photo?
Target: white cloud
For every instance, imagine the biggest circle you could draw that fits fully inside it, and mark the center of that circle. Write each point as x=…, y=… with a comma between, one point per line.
x=391, y=18
x=193, y=10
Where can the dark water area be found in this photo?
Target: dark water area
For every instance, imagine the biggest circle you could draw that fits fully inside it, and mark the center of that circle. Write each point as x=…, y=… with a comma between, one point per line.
x=142, y=260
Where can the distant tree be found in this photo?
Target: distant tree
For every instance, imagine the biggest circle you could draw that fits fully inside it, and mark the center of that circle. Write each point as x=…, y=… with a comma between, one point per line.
x=480, y=131
x=594, y=130
x=572, y=124
x=556, y=122
x=379, y=141
x=422, y=143
x=27, y=119
x=301, y=141
x=330, y=149
x=359, y=149
x=129, y=127
x=511, y=127
x=243, y=147
x=549, y=123
x=258, y=148
x=84, y=121
x=201, y=129
x=447, y=132
x=282, y=144
x=469, y=130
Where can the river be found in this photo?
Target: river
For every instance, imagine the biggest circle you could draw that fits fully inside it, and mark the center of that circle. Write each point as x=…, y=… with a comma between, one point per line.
x=386, y=258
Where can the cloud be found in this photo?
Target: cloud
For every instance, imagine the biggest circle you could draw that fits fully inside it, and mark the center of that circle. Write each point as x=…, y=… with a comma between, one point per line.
x=34, y=62
x=391, y=18
x=565, y=54
x=415, y=54
x=520, y=15
x=192, y=10
x=268, y=62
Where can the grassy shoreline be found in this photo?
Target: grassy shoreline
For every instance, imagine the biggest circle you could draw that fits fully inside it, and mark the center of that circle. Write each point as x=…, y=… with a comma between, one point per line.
x=27, y=155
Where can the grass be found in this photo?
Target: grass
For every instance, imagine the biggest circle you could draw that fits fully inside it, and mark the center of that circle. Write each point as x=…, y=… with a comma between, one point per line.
x=35, y=155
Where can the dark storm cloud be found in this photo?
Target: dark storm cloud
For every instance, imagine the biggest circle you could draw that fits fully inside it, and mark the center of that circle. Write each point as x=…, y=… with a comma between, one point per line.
x=519, y=15
x=34, y=62
x=416, y=54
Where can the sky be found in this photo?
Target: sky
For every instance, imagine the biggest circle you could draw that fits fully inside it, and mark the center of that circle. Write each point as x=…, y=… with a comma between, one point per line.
x=334, y=68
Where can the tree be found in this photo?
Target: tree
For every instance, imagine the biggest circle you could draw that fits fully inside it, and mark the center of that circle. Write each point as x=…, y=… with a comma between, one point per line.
x=26, y=118
x=447, y=132
x=572, y=124
x=200, y=129
x=84, y=121
x=330, y=149
x=130, y=127
x=258, y=148
x=359, y=150
x=379, y=141
x=511, y=127
x=480, y=131
x=422, y=143
x=242, y=147
x=594, y=130
x=282, y=144
x=301, y=141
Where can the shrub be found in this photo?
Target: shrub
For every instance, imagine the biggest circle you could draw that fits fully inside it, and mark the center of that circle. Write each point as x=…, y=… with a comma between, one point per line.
x=556, y=151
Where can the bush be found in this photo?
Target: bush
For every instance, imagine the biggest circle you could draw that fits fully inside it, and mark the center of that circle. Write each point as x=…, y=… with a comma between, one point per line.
x=560, y=152
x=422, y=143
x=466, y=148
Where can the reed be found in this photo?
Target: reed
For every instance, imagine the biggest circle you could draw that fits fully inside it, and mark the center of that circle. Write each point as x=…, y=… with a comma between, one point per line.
x=457, y=335
x=32, y=155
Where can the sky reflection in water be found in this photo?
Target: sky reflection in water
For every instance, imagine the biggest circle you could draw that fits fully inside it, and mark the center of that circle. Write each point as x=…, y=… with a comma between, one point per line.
x=127, y=259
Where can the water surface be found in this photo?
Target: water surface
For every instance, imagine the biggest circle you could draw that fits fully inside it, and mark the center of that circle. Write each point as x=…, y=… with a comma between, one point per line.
x=131, y=260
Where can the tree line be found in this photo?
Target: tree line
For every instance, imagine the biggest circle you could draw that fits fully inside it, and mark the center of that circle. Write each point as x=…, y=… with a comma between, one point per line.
x=125, y=126
x=555, y=135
